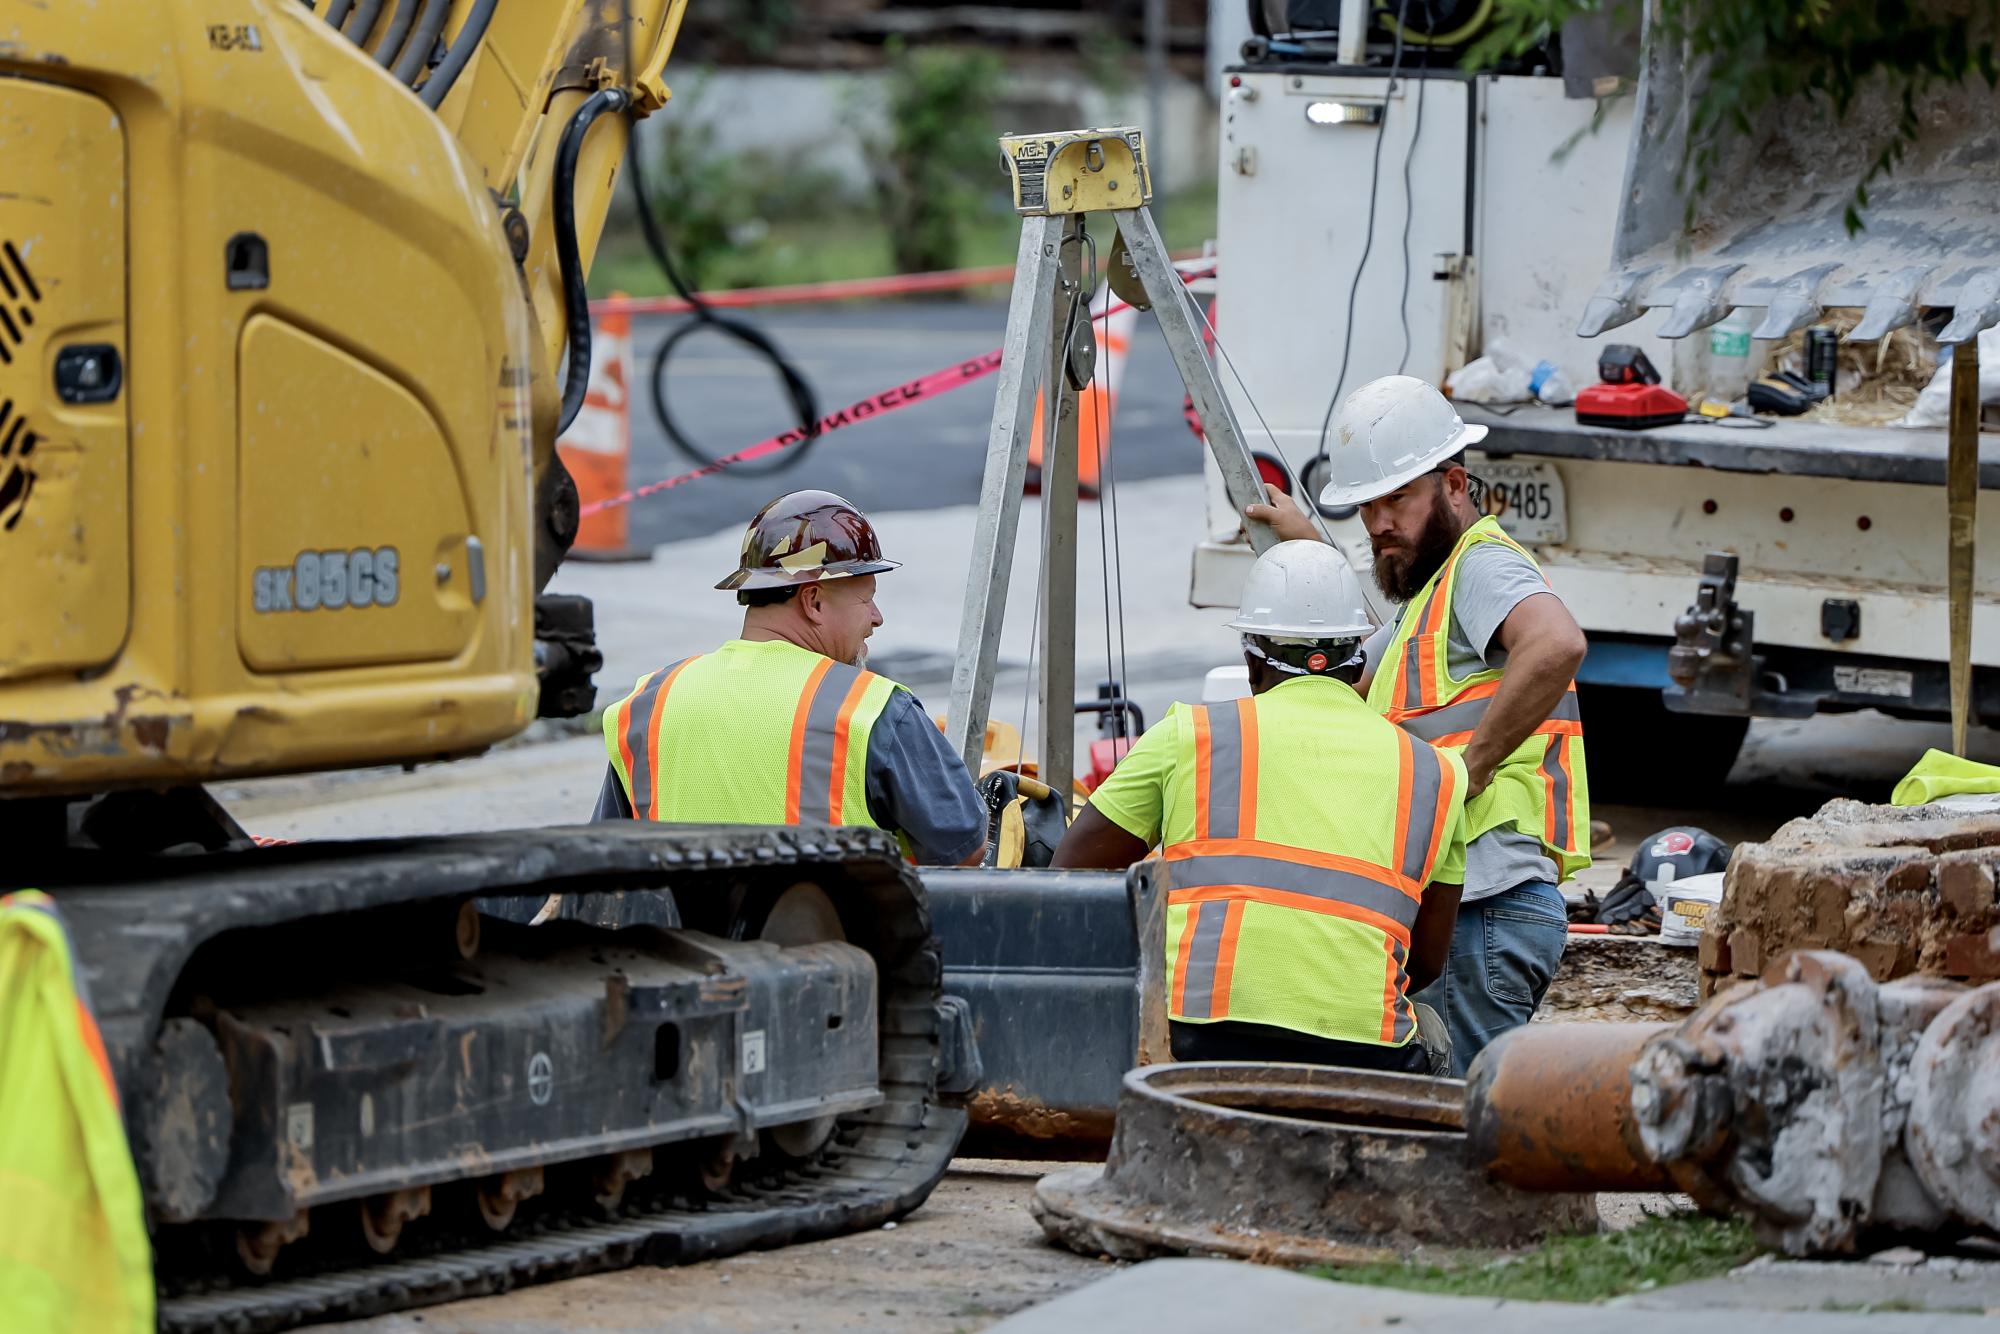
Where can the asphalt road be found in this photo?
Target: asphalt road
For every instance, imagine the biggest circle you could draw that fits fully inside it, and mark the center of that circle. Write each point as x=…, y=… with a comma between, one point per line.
x=923, y=456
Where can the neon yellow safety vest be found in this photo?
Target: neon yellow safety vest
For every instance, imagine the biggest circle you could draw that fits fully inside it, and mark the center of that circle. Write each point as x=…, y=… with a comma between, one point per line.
x=73, y=1249
x=753, y=733
x=1300, y=830
x=1541, y=789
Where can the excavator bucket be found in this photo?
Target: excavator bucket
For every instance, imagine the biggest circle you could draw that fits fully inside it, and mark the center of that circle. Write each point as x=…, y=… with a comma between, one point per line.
x=1771, y=230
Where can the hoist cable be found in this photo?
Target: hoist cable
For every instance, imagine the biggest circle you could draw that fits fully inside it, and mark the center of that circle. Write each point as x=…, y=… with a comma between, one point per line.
x=1223, y=351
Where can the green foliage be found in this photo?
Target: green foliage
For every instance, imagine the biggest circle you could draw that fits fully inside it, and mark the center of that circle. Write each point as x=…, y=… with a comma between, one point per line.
x=1759, y=54
x=937, y=168
x=714, y=204
x=1662, y=1250
x=1110, y=63
x=759, y=24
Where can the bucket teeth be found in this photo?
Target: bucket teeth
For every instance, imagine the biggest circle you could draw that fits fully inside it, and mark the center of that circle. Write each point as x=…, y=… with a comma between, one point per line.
x=1615, y=302
x=1698, y=299
x=1891, y=306
x=1977, y=306
x=1793, y=302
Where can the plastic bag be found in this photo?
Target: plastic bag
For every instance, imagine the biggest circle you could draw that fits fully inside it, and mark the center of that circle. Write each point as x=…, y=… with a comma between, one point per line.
x=1486, y=380
x=1549, y=384
x=1933, y=405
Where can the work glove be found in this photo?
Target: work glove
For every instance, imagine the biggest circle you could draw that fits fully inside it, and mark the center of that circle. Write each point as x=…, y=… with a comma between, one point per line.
x=1628, y=910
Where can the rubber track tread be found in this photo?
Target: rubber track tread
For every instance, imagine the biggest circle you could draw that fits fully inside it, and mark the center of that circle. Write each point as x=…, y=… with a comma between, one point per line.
x=882, y=1162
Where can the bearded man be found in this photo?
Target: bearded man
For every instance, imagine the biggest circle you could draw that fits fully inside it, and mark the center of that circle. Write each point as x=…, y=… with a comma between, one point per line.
x=1481, y=659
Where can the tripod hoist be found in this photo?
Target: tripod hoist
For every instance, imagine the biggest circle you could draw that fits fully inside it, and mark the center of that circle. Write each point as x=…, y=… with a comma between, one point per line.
x=1059, y=179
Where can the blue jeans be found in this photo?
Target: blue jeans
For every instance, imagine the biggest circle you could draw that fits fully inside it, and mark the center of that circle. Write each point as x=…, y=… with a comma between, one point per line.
x=1504, y=952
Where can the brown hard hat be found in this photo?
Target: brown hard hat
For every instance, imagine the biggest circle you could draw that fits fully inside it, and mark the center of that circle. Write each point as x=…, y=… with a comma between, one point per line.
x=806, y=536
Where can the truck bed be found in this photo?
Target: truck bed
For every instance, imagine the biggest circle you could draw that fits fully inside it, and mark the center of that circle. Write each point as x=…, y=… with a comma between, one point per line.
x=1787, y=446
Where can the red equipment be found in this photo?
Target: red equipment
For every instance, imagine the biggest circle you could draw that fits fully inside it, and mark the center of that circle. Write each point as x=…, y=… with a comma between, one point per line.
x=1631, y=395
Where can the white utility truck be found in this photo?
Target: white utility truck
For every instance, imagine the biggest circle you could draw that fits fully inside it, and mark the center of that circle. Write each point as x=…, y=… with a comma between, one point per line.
x=1491, y=217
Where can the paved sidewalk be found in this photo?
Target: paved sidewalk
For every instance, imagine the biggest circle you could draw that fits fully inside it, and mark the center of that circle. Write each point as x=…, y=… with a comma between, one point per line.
x=1200, y=1296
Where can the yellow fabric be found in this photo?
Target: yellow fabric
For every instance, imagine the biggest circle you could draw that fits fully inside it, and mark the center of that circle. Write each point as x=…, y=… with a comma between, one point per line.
x=1939, y=774
x=1308, y=728
x=73, y=1249
x=724, y=736
x=1517, y=794
x=1327, y=781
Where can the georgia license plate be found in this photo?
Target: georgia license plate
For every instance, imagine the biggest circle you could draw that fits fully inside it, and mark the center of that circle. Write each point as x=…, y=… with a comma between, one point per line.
x=1527, y=498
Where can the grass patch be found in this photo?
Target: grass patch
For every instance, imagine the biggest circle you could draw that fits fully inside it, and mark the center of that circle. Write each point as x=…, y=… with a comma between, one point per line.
x=852, y=244
x=1676, y=1248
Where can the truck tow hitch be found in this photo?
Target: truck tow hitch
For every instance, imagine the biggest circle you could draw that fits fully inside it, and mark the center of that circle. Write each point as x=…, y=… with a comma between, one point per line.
x=1713, y=662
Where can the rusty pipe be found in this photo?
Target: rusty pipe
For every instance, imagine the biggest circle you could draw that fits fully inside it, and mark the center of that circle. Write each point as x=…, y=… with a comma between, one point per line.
x=1549, y=1107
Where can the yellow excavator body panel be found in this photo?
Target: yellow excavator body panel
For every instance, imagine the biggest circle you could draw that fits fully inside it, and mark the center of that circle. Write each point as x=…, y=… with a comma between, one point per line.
x=265, y=422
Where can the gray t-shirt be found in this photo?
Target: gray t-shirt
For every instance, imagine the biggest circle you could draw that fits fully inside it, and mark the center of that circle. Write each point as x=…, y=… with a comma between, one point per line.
x=916, y=786
x=1492, y=580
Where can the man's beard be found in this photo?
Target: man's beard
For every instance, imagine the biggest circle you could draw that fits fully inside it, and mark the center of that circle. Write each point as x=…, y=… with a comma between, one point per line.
x=1402, y=576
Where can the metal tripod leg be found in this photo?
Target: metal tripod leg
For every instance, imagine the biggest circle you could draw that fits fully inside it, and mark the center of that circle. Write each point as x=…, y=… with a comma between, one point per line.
x=1058, y=648
x=1029, y=315
x=1177, y=323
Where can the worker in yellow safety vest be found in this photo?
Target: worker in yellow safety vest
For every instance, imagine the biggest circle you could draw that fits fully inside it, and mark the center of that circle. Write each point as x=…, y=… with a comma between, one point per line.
x=73, y=1249
x=784, y=725
x=1312, y=849
x=1482, y=660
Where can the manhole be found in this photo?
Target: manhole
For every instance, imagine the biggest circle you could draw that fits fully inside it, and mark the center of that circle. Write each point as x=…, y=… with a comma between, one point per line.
x=1292, y=1164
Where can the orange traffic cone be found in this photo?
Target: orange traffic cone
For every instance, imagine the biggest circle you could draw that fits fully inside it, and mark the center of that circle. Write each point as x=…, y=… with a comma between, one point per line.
x=1095, y=404
x=597, y=449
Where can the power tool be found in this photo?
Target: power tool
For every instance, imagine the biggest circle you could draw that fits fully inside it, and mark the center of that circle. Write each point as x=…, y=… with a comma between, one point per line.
x=1630, y=395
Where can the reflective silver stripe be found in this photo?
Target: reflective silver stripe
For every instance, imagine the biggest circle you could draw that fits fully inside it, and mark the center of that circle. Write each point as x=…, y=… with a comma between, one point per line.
x=816, y=752
x=1403, y=1026
x=1464, y=716
x=1426, y=778
x=1559, y=790
x=1225, y=771
x=639, y=740
x=1317, y=882
x=1413, y=681
x=1198, y=988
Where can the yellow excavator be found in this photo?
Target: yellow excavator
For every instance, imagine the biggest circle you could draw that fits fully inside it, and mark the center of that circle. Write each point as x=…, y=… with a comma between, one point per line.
x=291, y=314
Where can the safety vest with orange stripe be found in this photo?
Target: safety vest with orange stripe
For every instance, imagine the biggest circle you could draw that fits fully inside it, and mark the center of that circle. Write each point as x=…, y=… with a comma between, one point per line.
x=1299, y=833
x=73, y=1249
x=758, y=732
x=1541, y=789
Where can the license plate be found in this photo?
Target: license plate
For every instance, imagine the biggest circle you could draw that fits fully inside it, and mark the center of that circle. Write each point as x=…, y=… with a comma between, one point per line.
x=1527, y=498
x=1886, y=681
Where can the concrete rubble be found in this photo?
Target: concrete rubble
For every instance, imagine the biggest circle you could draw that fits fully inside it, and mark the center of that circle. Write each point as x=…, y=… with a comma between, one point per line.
x=1901, y=889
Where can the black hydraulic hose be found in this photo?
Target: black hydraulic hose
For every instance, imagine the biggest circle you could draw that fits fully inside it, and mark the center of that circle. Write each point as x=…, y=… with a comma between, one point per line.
x=336, y=13
x=805, y=405
x=363, y=22
x=569, y=261
x=393, y=35
x=470, y=34
x=418, y=49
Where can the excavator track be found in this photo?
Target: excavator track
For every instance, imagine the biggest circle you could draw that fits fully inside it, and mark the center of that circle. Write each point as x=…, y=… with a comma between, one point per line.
x=379, y=982
x=847, y=1188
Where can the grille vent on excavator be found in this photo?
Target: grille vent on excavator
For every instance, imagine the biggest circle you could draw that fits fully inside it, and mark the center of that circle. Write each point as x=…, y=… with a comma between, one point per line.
x=18, y=297
x=17, y=476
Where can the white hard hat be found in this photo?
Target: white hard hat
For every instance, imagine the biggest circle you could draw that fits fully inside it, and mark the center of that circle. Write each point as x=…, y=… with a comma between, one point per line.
x=1388, y=433
x=1303, y=590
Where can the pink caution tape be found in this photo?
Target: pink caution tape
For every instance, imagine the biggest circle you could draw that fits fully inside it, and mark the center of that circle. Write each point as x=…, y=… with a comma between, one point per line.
x=866, y=409
x=889, y=400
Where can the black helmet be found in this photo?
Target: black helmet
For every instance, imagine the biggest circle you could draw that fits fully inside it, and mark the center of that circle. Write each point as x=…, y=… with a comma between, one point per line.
x=1677, y=853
